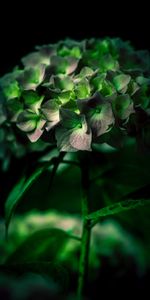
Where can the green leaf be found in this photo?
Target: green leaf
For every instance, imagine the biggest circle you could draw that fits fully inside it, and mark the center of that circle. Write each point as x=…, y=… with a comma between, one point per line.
x=67, y=179
x=17, y=192
x=43, y=245
x=116, y=209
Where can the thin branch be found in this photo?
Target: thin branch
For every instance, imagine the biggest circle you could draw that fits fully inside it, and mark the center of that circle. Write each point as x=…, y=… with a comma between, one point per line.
x=75, y=237
x=115, y=209
x=56, y=162
x=86, y=230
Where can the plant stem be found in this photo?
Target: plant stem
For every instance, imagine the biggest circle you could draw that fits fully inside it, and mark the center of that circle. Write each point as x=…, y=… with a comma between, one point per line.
x=85, y=242
x=83, y=265
x=56, y=162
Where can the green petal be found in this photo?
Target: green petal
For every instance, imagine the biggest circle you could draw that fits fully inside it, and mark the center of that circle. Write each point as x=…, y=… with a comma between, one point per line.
x=63, y=82
x=32, y=60
x=121, y=81
x=101, y=119
x=81, y=138
x=74, y=52
x=108, y=63
x=74, y=139
x=27, y=121
x=123, y=106
x=50, y=110
x=11, y=90
x=32, y=100
x=70, y=119
x=82, y=89
x=36, y=134
x=66, y=96
x=3, y=116
x=62, y=136
x=47, y=51
x=59, y=64
x=98, y=111
x=72, y=65
x=64, y=65
x=31, y=77
x=98, y=81
x=40, y=57
x=107, y=88
x=133, y=87
x=141, y=97
x=15, y=108
x=141, y=80
x=86, y=72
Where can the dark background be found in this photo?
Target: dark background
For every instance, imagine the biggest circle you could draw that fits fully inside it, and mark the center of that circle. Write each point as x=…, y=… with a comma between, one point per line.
x=26, y=24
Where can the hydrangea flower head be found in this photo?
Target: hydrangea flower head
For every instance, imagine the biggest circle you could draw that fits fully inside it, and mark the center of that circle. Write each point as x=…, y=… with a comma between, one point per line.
x=79, y=93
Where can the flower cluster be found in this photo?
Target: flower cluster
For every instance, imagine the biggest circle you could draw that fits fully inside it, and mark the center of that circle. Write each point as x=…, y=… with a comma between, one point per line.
x=79, y=93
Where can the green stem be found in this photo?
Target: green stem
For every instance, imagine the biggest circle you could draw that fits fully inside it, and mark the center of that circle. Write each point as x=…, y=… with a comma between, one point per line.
x=85, y=242
x=83, y=265
x=56, y=162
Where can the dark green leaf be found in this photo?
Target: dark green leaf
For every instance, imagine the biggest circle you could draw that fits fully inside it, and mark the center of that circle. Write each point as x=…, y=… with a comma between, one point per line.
x=58, y=195
x=17, y=192
x=43, y=245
